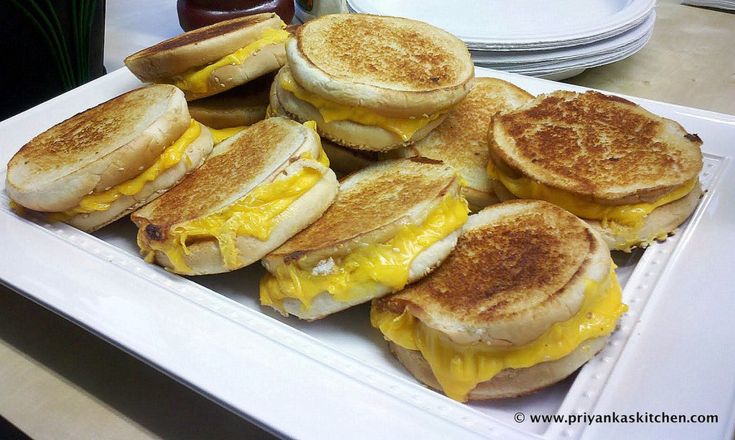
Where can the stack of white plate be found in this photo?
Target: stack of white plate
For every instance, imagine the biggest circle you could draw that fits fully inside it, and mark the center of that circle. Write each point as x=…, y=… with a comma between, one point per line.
x=728, y=5
x=547, y=38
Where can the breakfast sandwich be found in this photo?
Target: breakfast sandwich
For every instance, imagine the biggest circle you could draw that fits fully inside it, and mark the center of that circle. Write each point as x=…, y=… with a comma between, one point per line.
x=461, y=140
x=390, y=225
x=215, y=58
x=632, y=175
x=105, y=162
x=244, y=105
x=256, y=190
x=371, y=82
x=342, y=160
x=528, y=295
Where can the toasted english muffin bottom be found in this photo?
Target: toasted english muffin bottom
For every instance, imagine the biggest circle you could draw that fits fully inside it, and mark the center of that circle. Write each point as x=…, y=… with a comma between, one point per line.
x=508, y=383
x=346, y=132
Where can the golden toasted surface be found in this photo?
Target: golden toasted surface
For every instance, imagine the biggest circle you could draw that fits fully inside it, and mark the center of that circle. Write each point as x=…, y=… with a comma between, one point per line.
x=371, y=199
x=461, y=140
x=197, y=48
x=596, y=145
x=515, y=263
x=235, y=165
x=394, y=53
x=91, y=135
x=205, y=33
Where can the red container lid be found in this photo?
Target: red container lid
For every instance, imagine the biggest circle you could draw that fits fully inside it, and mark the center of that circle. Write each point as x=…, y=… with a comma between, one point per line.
x=194, y=14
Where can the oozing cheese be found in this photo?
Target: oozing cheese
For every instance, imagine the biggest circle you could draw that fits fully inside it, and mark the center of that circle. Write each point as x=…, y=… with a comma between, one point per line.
x=220, y=134
x=628, y=237
x=459, y=368
x=171, y=156
x=354, y=275
x=197, y=81
x=630, y=215
x=332, y=111
x=254, y=215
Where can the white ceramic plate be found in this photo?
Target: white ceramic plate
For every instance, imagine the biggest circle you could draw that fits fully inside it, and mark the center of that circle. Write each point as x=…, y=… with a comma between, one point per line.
x=335, y=378
x=519, y=24
x=525, y=58
x=569, y=68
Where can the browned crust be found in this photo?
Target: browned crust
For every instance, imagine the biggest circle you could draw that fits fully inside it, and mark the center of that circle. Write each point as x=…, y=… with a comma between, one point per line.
x=376, y=200
x=204, y=33
x=596, y=146
x=461, y=140
x=79, y=138
x=368, y=47
x=503, y=270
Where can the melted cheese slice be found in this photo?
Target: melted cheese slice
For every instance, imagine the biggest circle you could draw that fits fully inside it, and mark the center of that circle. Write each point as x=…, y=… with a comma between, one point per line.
x=459, y=368
x=356, y=274
x=332, y=111
x=254, y=215
x=197, y=81
x=101, y=201
x=631, y=215
x=629, y=237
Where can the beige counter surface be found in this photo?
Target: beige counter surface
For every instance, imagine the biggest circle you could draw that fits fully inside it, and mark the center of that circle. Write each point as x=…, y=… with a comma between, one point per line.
x=689, y=61
x=58, y=381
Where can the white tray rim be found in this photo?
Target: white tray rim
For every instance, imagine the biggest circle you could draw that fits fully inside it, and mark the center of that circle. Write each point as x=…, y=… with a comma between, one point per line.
x=442, y=415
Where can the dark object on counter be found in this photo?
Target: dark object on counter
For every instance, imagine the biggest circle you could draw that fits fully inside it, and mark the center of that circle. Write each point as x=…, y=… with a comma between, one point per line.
x=194, y=14
x=48, y=48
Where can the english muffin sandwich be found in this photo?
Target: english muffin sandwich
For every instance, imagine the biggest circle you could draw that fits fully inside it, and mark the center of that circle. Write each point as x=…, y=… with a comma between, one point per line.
x=371, y=82
x=528, y=295
x=632, y=175
x=391, y=224
x=259, y=187
x=105, y=162
x=215, y=58
x=461, y=140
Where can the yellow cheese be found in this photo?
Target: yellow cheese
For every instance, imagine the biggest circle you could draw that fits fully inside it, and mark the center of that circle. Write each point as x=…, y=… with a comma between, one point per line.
x=377, y=263
x=101, y=201
x=220, y=134
x=628, y=237
x=630, y=215
x=254, y=215
x=197, y=81
x=460, y=367
x=332, y=111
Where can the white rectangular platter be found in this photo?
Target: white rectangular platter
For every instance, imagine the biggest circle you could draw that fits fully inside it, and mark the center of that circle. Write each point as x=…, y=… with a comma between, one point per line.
x=673, y=352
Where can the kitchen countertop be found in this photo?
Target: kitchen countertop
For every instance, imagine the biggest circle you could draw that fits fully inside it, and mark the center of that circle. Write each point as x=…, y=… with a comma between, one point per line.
x=59, y=381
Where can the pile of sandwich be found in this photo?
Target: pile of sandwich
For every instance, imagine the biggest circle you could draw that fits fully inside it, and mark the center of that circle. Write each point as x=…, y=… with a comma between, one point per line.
x=500, y=303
